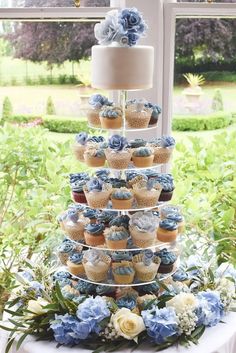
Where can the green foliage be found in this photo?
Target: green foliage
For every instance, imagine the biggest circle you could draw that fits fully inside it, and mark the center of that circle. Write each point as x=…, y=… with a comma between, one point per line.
x=65, y=124
x=50, y=108
x=22, y=118
x=7, y=109
x=201, y=122
x=217, y=102
x=210, y=76
x=206, y=188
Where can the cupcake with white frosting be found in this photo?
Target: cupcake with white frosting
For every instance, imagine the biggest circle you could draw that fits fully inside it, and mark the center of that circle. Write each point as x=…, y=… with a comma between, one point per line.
x=142, y=227
x=96, y=265
x=146, y=266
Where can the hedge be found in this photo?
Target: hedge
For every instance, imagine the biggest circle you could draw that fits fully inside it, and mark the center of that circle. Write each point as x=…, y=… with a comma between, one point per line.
x=65, y=124
x=15, y=118
x=201, y=122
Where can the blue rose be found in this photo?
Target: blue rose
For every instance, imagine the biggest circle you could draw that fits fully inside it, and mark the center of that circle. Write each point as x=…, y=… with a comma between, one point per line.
x=68, y=330
x=210, y=309
x=81, y=138
x=97, y=101
x=93, y=311
x=117, y=142
x=161, y=324
x=133, y=38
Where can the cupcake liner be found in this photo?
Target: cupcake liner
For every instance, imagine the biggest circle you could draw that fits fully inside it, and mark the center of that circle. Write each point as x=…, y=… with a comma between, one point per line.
x=136, y=120
x=94, y=273
x=123, y=279
x=165, y=195
x=63, y=257
x=146, y=198
x=94, y=240
x=97, y=199
x=145, y=273
x=75, y=269
x=119, y=160
x=79, y=197
x=75, y=232
x=166, y=236
x=92, y=161
x=162, y=155
x=143, y=162
x=79, y=152
x=142, y=239
x=107, y=123
x=121, y=204
x=93, y=117
x=117, y=244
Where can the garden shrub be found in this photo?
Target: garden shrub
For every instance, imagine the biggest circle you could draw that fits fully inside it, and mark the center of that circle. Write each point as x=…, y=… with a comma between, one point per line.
x=65, y=124
x=201, y=122
x=7, y=109
x=217, y=101
x=50, y=108
x=23, y=118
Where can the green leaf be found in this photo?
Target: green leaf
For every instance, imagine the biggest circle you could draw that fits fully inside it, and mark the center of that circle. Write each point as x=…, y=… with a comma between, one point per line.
x=9, y=344
x=21, y=340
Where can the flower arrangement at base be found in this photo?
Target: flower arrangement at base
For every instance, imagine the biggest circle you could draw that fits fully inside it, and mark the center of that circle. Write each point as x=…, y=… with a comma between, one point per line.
x=72, y=313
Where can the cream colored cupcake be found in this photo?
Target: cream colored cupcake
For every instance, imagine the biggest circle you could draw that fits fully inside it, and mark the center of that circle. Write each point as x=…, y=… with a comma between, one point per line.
x=111, y=117
x=137, y=115
x=117, y=154
x=96, y=102
x=163, y=148
x=122, y=199
x=74, y=226
x=74, y=264
x=146, y=266
x=96, y=265
x=143, y=157
x=123, y=272
x=143, y=227
x=97, y=193
x=94, y=156
x=80, y=145
x=147, y=193
x=116, y=237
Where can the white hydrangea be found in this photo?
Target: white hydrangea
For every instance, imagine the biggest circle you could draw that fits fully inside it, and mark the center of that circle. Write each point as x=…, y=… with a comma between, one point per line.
x=187, y=321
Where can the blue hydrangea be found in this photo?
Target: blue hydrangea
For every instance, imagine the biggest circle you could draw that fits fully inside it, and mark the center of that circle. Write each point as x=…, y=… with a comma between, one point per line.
x=210, y=309
x=36, y=288
x=93, y=311
x=27, y=275
x=68, y=330
x=126, y=302
x=161, y=324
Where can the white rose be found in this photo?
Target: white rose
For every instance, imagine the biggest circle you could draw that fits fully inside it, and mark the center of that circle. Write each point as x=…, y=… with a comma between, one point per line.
x=37, y=306
x=127, y=324
x=183, y=301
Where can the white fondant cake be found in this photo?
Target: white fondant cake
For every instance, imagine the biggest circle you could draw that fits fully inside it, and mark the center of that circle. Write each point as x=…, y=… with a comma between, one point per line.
x=122, y=68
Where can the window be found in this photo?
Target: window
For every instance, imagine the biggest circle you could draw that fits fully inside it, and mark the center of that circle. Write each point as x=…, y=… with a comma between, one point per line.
x=53, y=3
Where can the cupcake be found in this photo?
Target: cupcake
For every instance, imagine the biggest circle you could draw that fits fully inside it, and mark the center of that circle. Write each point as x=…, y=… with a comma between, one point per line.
x=166, y=209
x=80, y=145
x=111, y=117
x=96, y=265
x=146, y=266
x=136, y=143
x=85, y=288
x=119, y=256
x=116, y=237
x=167, y=183
x=77, y=182
x=97, y=193
x=142, y=228
x=96, y=102
x=90, y=215
x=74, y=227
x=123, y=272
x=122, y=199
x=120, y=221
x=106, y=216
x=63, y=278
x=167, y=231
x=155, y=112
x=103, y=174
x=117, y=154
x=147, y=193
x=61, y=219
x=94, y=157
x=93, y=234
x=137, y=115
x=66, y=249
x=143, y=157
x=168, y=259
x=117, y=182
x=74, y=264
x=178, y=218
x=163, y=149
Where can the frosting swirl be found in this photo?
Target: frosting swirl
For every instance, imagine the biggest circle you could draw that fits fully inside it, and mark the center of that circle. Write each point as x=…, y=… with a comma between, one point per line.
x=147, y=257
x=180, y=276
x=120, y=221
x=142, y=152
x=85, y=287
x=156, y=110
x=95, y=228
x=164, y=142
x=167, y=257
x=123, y=270
x=117, y=143
x=73, y=216
x=76, y=258
x=78, y=177
x=176, y=217
x=166, y=181
x=96, y=139
x=168, y=224
x=136, y=143
x=66, y=247
x=97, y=101
x=116, y=233
x=121, y=255
x=117, y=183
x=122, y=194
x=110, y=112
x=106, y=216
x=94, y=184
x=90, y=213
x=102, y=174
x=77, y=186
x=81, y=138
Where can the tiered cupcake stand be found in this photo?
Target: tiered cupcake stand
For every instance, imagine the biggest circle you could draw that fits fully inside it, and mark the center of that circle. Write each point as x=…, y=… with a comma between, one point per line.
x=157, y=246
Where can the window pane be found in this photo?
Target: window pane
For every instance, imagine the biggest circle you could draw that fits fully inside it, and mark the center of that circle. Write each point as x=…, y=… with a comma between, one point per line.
x=54, y=3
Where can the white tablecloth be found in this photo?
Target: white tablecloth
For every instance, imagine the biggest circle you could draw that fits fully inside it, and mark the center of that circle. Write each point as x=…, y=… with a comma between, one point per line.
x=218, y=339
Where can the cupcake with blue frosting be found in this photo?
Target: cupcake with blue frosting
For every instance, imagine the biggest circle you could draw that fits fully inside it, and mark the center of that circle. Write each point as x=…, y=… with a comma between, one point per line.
x=106, y=217
x=167, y=231
x=137, y=115
x=66, y=249
x=118, y=256
x=142, y=227
x=123, y=272
x=167, y=183
x=80, y=145
x=143, y=157
x=96, y=265
x=90, y=215
x=122, y=199
x=168, y=260
x=74, y=264
x=94, y=156
x=93, y=234
x=120, y=221
x=168, y=208
x=178, y=218
x=74, y=226
x=117, y=154
x=155, y=112
x=77, y=182
x=111, y=117
x=163, y=148
x=146, y=265
x=96, y=102
x=116, y=237
x=146, y=192
x=97, y=193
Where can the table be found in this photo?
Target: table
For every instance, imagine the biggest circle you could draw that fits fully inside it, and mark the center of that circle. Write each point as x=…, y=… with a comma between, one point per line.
x=218, y=339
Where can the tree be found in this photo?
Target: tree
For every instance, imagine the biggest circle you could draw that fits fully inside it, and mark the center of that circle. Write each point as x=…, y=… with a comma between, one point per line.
x=7, y=109
x=53, y=42
x=50, y=108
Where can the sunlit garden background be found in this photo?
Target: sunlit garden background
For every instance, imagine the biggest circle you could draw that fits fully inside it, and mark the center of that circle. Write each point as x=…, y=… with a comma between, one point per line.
x=43, y=94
